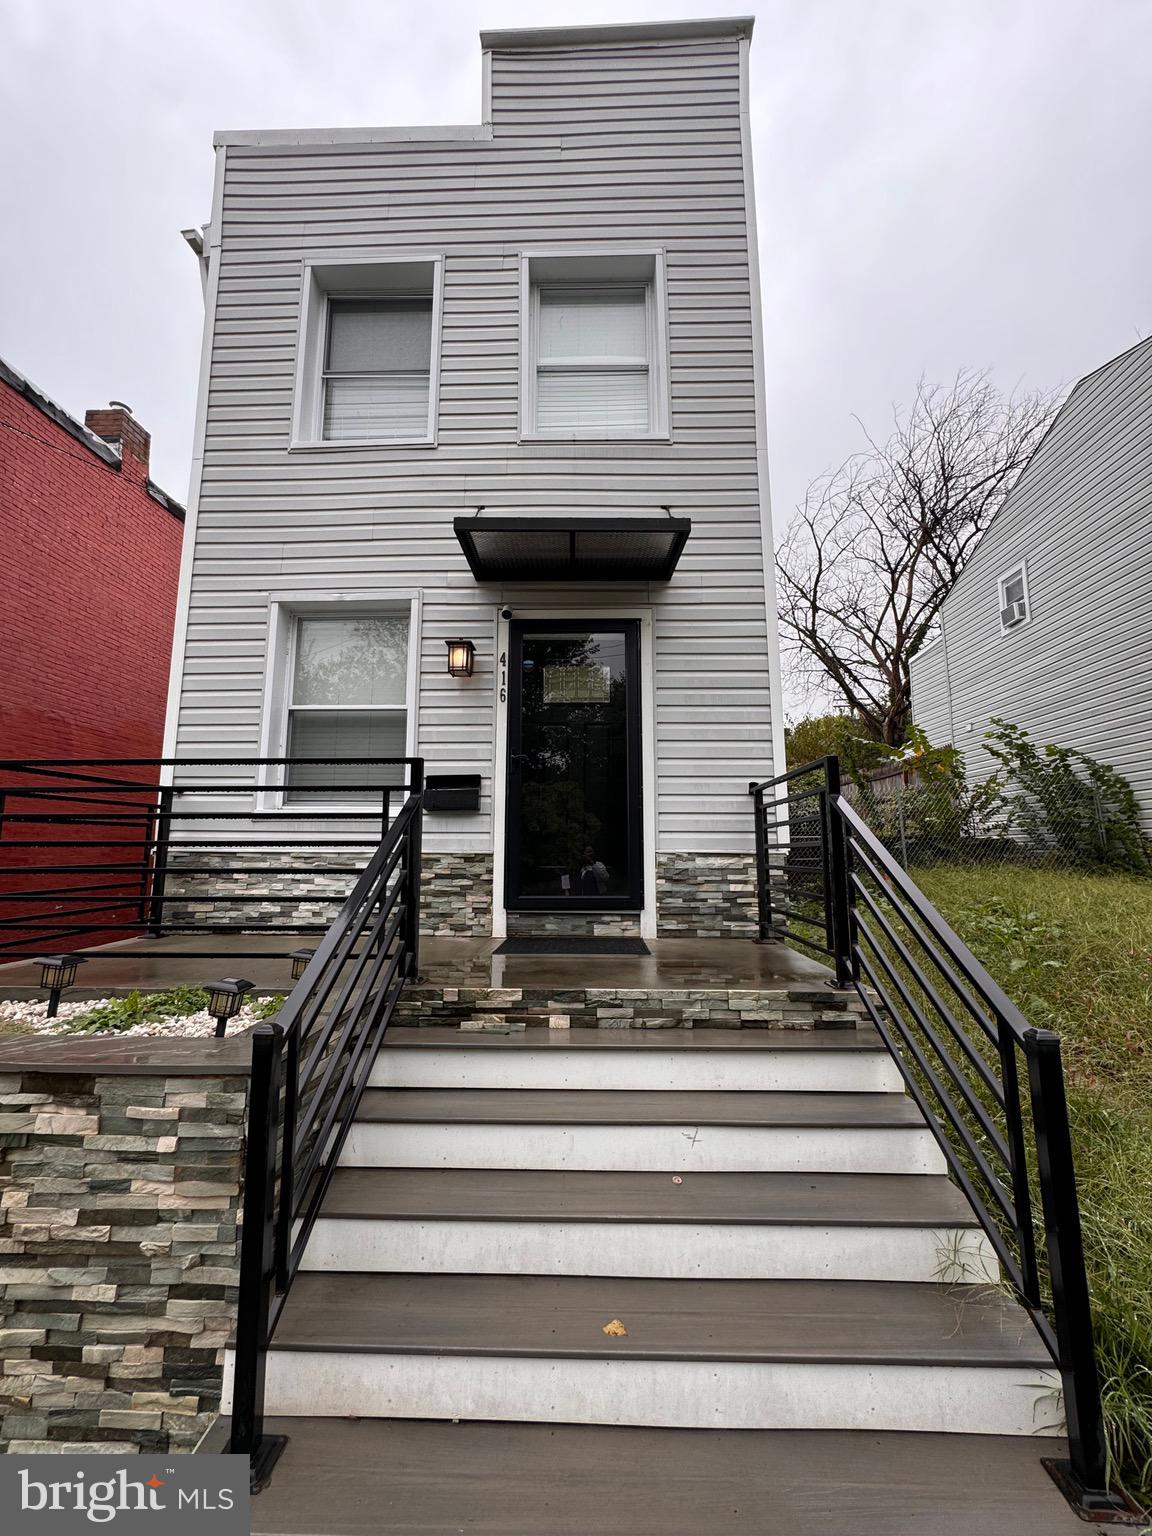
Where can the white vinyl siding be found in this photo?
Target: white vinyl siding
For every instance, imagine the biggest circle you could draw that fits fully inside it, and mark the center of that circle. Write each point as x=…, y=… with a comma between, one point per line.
x=1079, y=523
x=377, y=369
x=597, y=155
x=347, y=698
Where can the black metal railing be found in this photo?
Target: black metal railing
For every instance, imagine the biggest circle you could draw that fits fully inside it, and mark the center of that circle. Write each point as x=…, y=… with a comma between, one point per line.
x=93, y=851
x=310, y=1067
x=990, y=1085
x=802, y=882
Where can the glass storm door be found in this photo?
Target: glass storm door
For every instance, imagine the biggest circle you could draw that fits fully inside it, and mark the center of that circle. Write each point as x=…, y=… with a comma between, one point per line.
x=575, y=832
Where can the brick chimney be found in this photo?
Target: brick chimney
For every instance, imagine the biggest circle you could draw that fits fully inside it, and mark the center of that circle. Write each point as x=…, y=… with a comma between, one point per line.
x=116, y=424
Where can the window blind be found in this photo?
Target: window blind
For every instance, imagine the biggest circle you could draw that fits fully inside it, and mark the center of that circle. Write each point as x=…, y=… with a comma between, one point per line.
x=344, y=733
x=377, y=372
x=592, y=365
x=346, y=670
x=599, y=323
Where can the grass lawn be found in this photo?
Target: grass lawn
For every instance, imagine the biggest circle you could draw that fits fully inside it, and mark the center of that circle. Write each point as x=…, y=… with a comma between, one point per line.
x=1074, y=951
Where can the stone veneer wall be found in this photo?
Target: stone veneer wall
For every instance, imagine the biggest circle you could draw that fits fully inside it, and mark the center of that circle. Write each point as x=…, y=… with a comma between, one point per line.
x=287, y=893
x=574, y=925
x=456, y=888
x=505, y=1009
x=698, y=895
x=706, y=895
x=118, y=1254
x=456, y=895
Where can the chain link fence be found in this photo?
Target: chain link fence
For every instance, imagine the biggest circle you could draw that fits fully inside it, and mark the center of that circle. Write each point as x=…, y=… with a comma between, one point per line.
x=1067, y=820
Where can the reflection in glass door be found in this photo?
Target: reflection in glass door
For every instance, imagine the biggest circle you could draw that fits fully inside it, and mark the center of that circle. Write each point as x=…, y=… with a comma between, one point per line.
x=574, y=811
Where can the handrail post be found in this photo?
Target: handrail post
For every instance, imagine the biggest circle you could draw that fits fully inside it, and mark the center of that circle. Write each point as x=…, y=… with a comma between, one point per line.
x=160, y=863
x=146, y=863
x=412, y=864
x=1018, y=1165
x=257, y=1257
x=763, y=873
x=1071, y=1303
x=837, y=889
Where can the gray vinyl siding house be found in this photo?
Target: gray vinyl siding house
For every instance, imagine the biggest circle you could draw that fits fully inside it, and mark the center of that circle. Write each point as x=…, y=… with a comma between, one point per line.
x=568, y=299
x=1050, y=624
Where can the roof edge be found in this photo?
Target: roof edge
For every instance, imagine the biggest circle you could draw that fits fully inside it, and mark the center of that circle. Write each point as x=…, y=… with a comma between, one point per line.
x=628, y=32
x=76, y=429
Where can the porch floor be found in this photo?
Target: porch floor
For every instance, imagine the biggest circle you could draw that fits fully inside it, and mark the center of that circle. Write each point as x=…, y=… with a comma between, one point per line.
x=152, y=964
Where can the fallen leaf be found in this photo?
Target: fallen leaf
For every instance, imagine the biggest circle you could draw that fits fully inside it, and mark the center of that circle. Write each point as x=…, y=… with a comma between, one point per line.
x=615, y=1329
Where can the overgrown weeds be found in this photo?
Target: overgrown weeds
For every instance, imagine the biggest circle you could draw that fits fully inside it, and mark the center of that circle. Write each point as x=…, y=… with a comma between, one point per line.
x=1074, y=951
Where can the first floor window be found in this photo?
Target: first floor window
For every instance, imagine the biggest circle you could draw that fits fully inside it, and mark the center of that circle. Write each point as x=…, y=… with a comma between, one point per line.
x=347, y=697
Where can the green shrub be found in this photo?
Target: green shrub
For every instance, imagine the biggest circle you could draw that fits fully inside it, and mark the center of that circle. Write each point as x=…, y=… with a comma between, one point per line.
x=120, y=1013
x=1059, y=799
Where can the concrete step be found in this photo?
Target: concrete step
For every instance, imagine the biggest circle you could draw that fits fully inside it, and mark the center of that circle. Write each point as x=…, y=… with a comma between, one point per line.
x=701, y=1060
x=724, y=1354
x=667, y=1131
x=705, y=1225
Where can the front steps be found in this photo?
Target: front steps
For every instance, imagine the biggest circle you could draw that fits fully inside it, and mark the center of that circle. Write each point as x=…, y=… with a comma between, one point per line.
x=773, y=1251
x=402, y=1477
x=673, y=1131
x=719, y=1226
x=697, y=1354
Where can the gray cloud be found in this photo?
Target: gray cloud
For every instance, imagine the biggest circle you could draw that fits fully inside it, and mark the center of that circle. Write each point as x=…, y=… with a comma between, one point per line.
x=941, y=183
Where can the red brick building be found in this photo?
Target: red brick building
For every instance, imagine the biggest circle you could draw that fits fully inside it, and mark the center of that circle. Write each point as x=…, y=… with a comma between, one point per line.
x=89, y=568
x=90, y=555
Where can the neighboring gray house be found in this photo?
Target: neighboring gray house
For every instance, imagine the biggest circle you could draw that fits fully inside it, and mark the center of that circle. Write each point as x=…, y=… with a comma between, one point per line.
x=502, y=384
x=1050, y=624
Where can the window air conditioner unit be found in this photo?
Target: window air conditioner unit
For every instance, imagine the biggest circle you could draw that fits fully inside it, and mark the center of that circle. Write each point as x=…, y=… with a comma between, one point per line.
x=1015, y=613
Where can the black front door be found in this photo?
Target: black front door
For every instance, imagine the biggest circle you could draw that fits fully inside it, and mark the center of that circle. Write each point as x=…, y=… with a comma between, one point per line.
x=575, y=832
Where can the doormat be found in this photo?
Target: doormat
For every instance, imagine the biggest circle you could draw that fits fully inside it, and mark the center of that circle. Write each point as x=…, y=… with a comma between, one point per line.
x=558, y=946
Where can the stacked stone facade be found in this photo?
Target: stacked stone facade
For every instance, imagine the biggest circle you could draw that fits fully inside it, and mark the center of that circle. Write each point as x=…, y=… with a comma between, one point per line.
x=698, y=895
x=456, y=895
x=298, y=894
x=118, y=1256
x=706, y=895
x=652, y=1007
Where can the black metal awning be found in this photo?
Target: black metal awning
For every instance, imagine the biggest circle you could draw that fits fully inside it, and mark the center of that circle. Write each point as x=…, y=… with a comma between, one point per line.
x=572, y=549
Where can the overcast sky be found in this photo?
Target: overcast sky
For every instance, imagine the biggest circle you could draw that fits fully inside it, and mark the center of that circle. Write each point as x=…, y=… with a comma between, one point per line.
x=941, y=183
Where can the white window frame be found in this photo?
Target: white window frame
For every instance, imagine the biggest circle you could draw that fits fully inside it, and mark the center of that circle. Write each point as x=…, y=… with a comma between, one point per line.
x=284, y=610
x=1018, y=572
x=607, y=267
x=365, y=277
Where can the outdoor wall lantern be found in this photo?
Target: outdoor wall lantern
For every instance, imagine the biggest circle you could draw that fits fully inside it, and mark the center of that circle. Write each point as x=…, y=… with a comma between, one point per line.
x=300, y=959
x=56, y=973
x=225, y=1000
x=461, y=655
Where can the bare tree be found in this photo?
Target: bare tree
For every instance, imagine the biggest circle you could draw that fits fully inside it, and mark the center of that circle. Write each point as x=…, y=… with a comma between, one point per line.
x=878, y=544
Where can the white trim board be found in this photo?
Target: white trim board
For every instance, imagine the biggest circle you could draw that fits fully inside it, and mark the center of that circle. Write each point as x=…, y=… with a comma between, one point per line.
x=199, y=434
x=683, y=1394
x=767, y=540
x=651, y=1250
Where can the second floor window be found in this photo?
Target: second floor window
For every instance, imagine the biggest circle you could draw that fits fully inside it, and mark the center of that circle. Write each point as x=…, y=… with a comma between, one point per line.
x=1014, y=608
x=377, y=368
x=593, y=360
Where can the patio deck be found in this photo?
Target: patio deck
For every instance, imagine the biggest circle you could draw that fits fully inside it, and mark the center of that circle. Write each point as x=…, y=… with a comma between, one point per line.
x=151, y=964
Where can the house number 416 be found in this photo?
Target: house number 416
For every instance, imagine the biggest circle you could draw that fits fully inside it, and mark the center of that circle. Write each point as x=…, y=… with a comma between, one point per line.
x=503, y=676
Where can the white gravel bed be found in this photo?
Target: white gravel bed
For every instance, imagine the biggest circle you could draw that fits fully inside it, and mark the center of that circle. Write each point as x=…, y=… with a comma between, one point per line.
x=33, y=1016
